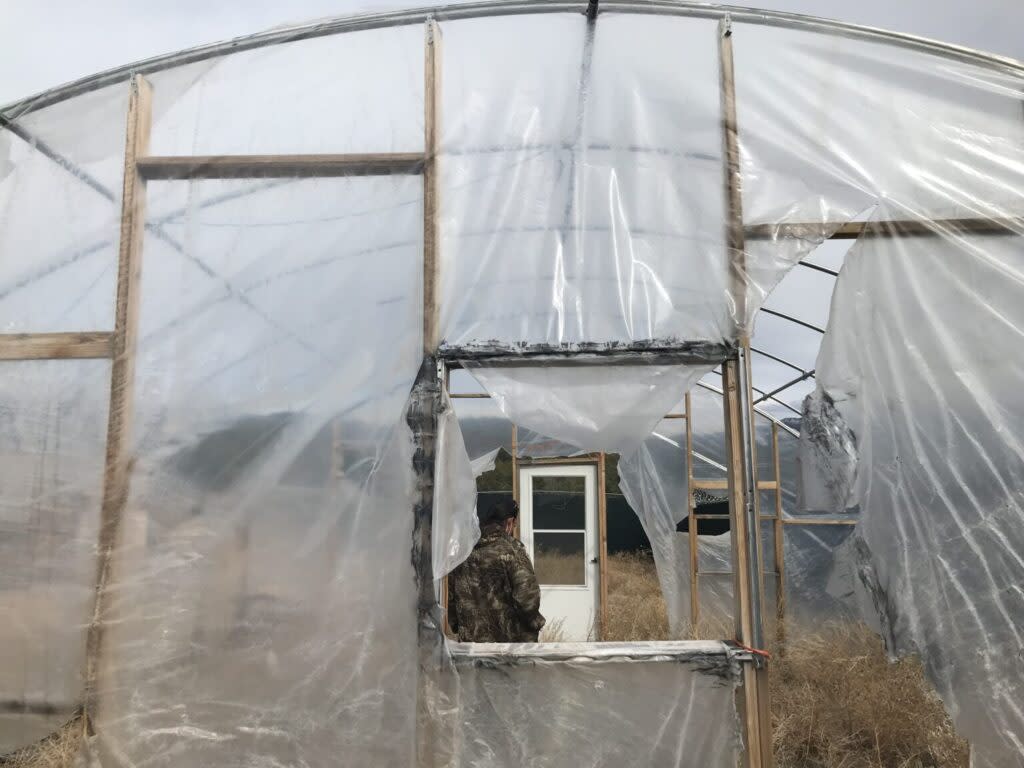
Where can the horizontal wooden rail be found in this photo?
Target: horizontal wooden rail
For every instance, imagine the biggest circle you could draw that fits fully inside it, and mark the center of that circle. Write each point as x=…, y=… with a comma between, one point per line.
x=173, y=168
x=55, y=346
x=818, y=521
x=852, y=230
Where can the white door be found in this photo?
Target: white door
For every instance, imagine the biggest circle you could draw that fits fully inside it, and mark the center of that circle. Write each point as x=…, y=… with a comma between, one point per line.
x=558, y=526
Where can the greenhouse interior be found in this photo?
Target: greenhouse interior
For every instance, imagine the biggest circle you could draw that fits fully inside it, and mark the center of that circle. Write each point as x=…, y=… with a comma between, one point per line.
x=718, y=296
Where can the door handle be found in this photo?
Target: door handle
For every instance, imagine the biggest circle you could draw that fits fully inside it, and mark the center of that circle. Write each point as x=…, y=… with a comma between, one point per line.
x=595, y=561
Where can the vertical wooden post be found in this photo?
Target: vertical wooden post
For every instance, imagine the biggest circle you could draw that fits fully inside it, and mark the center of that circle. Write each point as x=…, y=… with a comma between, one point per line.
x=780, y=548
x=431, y=142
x=424, y=407
x=740, y=435
x=602, y=552
x=693, y=523
x=117, y=468
x=515, y=472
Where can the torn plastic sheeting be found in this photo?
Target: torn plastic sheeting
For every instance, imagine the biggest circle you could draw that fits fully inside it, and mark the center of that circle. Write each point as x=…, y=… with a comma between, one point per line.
x=827, y=458
x=484, y=463
x=653, y=479
x=931, y=396
x=597, y=408
x=456, y=528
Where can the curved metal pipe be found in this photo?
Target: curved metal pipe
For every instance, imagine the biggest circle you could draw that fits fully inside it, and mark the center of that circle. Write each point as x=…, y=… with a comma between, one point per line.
x=491, y=8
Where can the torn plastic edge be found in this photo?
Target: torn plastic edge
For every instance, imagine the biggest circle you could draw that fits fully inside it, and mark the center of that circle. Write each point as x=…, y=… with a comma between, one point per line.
x=711, y=657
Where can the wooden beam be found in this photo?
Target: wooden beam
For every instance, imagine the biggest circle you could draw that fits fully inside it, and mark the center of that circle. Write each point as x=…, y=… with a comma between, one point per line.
x=852, y=230
x=692, y=528
x=116, y=472
x=56, y=346
x=172, y=168
x=586, y=458
x=602, y=543
x=735, y=236
x=816, y=521
x=431, y=185
x=739, y=419
x=710, y=485
x=515, y=473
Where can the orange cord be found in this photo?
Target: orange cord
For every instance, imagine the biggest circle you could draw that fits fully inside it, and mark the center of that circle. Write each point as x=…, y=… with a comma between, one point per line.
x=748, y=649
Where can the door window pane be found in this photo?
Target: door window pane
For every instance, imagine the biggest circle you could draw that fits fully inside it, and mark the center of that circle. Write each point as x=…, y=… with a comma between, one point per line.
x=559, y=503
x=560, y=558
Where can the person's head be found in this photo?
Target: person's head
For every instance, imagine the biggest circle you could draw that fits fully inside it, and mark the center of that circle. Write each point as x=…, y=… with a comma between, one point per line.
x=502, y=513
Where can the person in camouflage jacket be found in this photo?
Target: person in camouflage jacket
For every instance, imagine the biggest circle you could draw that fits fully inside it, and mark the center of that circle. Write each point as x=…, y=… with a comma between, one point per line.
x=493, y=597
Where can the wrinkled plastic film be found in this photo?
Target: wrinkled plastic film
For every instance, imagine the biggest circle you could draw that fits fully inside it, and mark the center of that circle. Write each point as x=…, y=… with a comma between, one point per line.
x=594, y=407
x=929, y=398
x=535, y=712
x=272, y=479
x=455, y=526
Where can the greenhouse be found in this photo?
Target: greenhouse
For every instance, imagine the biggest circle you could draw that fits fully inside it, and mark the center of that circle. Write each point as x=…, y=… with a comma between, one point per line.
x=716, y=293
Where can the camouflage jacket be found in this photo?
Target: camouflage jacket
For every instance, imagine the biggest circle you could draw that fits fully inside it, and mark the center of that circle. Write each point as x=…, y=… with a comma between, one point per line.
x=494, y=597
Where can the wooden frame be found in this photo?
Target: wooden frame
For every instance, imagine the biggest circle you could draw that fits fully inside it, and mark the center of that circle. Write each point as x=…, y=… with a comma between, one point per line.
x=739, y=435
x=90, y=345
x=431, y=186
x=116, y=476
x=854, y=230
x=185, y=168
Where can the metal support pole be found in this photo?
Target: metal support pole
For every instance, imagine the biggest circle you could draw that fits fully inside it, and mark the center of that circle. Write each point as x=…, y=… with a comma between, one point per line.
x=780, y=550
x=747, y=560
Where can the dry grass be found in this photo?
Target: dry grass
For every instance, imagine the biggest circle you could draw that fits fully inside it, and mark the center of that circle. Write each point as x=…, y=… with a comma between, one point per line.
x=556, y=568
x=636, y=609
x=56, y=751
x=838, y=702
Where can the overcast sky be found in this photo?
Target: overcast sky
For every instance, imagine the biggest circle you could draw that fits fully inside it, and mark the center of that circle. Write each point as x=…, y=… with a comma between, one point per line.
x=49, y=42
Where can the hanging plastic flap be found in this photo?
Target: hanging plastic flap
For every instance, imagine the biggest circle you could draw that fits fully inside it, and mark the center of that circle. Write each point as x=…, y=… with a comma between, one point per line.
x=455, y=527
x=592, y=407
x=827, y=458
x=921, y=360
x=654, y=481
x=484, y=463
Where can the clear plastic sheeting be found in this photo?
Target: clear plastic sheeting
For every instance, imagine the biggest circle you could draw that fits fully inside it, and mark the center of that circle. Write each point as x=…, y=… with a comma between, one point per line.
x=574, y=706
x=820, y=580
x=582, y=183
x=53, y=416
x=593, y=407
x=273, y=480
x=653, y=478
x=456, y=527
x=918, y=361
